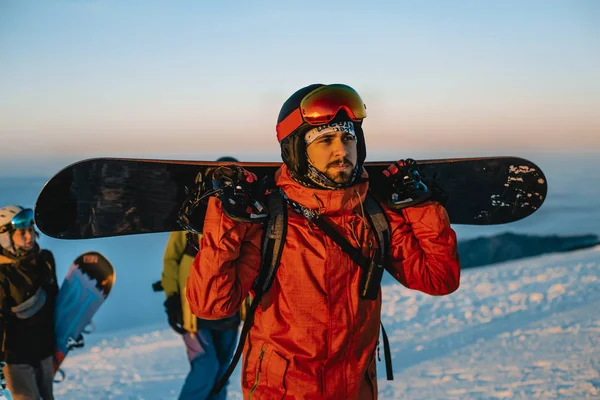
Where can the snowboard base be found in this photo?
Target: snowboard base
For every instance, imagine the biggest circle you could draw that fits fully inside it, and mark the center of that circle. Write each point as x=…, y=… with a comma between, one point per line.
x=105, y=197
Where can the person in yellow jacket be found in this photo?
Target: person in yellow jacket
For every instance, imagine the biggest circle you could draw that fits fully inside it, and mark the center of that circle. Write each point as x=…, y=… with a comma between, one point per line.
x=209, y=344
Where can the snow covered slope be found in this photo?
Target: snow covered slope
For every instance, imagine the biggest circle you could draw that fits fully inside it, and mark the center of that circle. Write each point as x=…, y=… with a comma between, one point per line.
x=527, y=329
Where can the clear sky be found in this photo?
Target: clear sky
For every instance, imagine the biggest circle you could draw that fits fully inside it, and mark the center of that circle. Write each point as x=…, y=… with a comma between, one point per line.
x=181, y=79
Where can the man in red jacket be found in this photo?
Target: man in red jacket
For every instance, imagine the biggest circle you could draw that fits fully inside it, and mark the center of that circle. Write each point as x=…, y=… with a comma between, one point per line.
x=315, y=335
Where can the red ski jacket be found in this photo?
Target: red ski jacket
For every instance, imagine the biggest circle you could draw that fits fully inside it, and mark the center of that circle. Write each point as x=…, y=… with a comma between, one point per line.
x=313, y=336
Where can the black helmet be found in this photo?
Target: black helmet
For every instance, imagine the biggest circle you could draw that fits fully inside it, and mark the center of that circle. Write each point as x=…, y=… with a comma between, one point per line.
x=293, y=146
x=228, y=159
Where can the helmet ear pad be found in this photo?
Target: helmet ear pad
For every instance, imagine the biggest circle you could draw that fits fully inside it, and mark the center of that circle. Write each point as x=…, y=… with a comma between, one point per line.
x=293, y=153
x=361, y=147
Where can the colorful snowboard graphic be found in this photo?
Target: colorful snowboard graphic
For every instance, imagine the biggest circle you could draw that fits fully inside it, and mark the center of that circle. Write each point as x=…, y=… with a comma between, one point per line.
x=87, y=284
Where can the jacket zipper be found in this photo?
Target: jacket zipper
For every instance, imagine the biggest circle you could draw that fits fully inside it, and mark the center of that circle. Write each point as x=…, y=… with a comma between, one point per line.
x=257, y=380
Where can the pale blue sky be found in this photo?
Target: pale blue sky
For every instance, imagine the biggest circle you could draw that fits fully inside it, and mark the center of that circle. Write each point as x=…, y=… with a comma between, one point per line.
x=182, y=79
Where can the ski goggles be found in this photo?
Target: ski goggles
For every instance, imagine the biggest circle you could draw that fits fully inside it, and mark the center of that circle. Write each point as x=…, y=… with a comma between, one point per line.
x=24, y=219
x=320, y=107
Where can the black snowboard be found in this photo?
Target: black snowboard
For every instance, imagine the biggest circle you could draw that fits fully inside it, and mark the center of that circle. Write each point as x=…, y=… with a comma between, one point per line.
x=111, y=196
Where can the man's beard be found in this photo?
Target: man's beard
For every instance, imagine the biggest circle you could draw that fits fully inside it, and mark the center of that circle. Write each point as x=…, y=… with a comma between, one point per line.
x=340, y=176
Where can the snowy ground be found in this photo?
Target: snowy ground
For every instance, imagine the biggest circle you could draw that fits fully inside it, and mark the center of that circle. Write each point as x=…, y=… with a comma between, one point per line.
x=526, y=330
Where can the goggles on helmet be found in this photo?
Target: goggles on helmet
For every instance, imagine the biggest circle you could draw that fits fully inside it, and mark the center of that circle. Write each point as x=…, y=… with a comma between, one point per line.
x=24, y=219
x=320, y=107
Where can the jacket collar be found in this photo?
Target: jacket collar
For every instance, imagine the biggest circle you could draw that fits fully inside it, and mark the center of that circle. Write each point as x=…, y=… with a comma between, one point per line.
x=327, y=202
x=8, y=258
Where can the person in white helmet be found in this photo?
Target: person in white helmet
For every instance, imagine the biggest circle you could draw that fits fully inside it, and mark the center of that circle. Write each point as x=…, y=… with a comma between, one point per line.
x=28, y=289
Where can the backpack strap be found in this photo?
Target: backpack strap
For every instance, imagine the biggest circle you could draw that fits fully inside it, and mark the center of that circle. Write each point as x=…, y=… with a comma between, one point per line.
x=389, y=370
x=191, y=244
x=274, y=238
x=373, y=275
x=373, y=267
x=376, y=216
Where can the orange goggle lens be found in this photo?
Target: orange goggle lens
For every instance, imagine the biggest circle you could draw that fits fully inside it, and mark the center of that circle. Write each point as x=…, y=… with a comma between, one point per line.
x=320, y=107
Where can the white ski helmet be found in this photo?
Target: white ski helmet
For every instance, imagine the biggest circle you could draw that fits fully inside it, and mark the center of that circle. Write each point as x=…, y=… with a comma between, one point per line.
x=11, y=218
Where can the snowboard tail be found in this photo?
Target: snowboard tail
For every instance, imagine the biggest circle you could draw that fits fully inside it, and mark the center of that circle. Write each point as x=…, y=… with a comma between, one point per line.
x=105, y=197
x=86, y=286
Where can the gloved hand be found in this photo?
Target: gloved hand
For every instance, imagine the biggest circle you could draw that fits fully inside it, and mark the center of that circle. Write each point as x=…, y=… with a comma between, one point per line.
x=236, y=187
x=174, y=313
x=402, y=186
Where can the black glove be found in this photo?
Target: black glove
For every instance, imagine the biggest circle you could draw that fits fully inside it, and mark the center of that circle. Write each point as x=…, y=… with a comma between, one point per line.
x=236, y=188
x=174, y=313
x=401, y=185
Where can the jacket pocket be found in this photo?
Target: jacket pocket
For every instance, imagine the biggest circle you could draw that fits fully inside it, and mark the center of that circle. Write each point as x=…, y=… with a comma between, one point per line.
x=269, y=381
